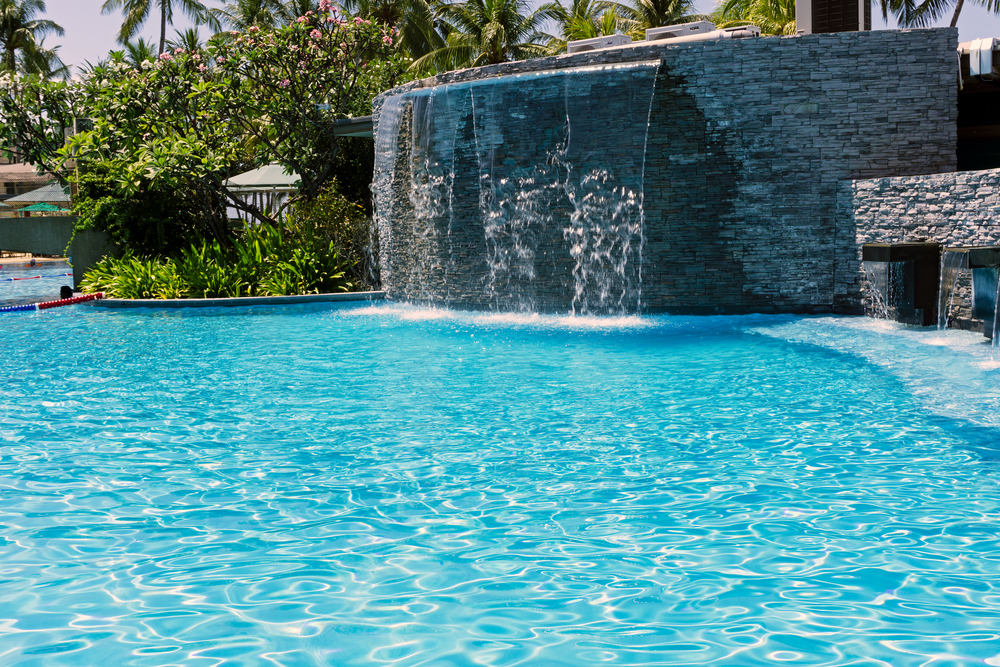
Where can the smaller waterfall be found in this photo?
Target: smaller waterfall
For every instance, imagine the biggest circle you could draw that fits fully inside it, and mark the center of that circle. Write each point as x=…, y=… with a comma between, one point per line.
x=952, y=263
x=996, y=320
x=386, y=151
x=886, y=287
x=984, y=297
x=903, y=281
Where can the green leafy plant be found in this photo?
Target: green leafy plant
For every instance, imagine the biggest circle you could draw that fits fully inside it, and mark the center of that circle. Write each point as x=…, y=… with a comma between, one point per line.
x=262, y=260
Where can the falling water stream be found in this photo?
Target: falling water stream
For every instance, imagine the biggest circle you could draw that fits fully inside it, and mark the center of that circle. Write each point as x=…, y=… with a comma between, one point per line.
x=555, y=205
x=952, y=264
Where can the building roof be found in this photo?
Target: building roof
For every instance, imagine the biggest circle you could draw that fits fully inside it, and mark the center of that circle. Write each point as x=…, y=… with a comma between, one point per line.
x=268, y=177
x=21, y=172
x=53, y=192
x=42, y=206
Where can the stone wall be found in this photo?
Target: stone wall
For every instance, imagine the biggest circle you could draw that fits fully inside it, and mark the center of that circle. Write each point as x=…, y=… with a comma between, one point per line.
x=955, y=209
x=748, y=141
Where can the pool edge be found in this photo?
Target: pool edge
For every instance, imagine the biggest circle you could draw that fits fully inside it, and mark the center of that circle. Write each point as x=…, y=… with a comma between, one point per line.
x=239, y=301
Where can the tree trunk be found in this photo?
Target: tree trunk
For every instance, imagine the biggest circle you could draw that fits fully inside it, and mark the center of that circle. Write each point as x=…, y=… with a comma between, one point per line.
x=958, y=10
x=163, y=23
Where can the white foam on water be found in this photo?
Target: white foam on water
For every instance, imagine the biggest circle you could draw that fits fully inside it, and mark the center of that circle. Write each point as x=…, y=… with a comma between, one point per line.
x=414, y=313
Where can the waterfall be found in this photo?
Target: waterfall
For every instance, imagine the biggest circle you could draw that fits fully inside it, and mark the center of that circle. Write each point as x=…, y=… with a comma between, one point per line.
x=877, y=274
x=518, y=193
x=952, y=264
x=386, y=151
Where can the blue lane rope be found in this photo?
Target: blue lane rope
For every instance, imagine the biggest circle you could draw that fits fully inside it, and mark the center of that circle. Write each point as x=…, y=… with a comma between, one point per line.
x=45, y=305
x=14, y=309
x=50, y=275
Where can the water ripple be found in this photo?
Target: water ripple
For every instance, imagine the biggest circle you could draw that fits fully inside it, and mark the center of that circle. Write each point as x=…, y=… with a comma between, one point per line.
x=317, y=485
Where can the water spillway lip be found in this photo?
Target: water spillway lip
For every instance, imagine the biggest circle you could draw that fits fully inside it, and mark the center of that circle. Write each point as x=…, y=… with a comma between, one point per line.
x=241, y=301
x=900, y=252
x=981, y=257
x=523, y=76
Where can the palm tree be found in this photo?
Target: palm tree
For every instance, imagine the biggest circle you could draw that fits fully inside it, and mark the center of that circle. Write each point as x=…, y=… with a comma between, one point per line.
x=657, y=13
x=486, y=32
x=909, y=14
x=584, y=19
x=290, y=10
x=420, y=30
x=45, y=63
x=773, y=17
x=137, y=11
x=189, y=40
x=241, y=14
x=138, y=52
x=21, y=36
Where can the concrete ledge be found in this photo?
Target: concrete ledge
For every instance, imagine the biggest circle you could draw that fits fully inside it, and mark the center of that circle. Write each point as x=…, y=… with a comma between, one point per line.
x=240, y=301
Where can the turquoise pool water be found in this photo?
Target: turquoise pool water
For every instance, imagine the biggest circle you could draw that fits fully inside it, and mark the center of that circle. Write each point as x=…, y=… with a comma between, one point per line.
x=390, y=485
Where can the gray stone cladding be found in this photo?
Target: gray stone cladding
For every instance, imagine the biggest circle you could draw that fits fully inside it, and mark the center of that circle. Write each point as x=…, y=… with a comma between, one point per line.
x=748, y=141
x=955, y=209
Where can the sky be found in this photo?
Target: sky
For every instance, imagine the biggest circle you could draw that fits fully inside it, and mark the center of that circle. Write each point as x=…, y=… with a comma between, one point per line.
x=89, y=35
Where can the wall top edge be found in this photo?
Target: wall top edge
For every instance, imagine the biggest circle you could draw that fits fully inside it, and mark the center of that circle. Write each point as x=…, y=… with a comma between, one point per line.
x=942, y=176
x=638, y=51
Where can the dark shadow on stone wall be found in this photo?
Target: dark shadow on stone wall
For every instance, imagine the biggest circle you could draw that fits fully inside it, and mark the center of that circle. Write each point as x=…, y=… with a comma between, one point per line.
x=692, y=243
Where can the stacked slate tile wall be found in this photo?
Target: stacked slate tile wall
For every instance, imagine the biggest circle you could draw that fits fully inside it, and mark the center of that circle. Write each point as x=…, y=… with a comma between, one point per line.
x=956, y=209
x=748, y=142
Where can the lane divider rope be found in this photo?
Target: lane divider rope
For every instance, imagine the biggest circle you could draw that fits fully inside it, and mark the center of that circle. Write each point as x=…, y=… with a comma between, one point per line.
x=51, y=275
x=45, y=305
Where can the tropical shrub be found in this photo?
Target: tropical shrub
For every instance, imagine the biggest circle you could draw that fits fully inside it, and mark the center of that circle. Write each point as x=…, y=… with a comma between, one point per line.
x=262, y=260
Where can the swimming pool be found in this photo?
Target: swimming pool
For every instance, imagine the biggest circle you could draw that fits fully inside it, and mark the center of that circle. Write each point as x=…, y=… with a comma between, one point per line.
x=358, y=485
x=21, y=283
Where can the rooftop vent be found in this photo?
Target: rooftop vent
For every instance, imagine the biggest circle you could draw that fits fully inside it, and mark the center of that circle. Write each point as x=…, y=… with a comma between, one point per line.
x=981, y=57
x=740, y=32
x=606, y=42
x=680, y=30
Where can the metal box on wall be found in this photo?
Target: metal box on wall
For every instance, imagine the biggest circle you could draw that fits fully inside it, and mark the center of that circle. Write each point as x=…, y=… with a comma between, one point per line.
x=817, y=16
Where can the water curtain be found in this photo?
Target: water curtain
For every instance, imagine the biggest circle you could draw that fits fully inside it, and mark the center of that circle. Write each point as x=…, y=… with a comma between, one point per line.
x=518, y=193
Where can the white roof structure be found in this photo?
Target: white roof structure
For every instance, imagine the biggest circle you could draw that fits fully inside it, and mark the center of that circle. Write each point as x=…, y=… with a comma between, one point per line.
x=268, y=177
x=53, y=193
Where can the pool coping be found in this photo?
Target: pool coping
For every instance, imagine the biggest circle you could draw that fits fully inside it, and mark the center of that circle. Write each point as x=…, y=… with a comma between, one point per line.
x=239, y=301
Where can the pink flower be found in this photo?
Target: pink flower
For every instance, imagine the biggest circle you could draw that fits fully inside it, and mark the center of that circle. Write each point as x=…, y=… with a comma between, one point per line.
x=202, y=68
x=235, y=33
x=301, y=19
x=387, y=40
x=358, y=20
x=254, y=29
x=195, y=57
x=178, y=52
x=284, y=83
x=324, y=5
x=315, y=34
x=166, y=56
x=330, y=19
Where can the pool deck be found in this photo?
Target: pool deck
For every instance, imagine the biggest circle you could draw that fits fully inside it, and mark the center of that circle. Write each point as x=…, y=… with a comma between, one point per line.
x=239, y=301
